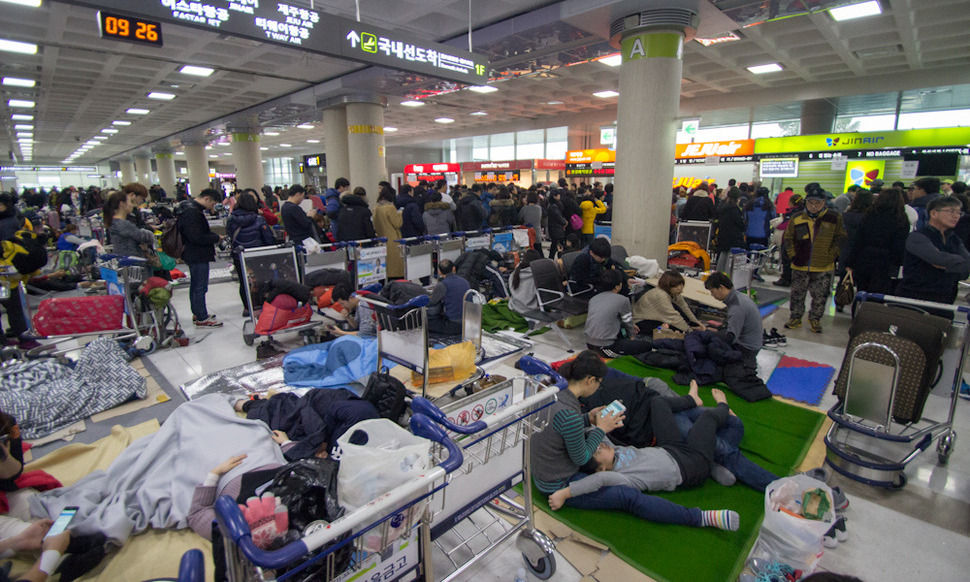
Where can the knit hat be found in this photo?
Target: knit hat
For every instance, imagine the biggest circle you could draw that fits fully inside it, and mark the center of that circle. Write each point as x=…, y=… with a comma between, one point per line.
x=818, y=194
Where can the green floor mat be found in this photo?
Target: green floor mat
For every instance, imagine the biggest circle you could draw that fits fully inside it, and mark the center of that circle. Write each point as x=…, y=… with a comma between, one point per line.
x=497, y=316
x=777, y=437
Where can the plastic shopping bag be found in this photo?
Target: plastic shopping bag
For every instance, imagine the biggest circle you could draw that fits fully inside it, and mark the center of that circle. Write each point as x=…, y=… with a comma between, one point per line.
x=375, y=457
x=786, y=536
x=453, y=363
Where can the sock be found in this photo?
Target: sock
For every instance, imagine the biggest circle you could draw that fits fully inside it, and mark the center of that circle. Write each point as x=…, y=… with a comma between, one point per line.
x=725, y=519
x=76, y=565
x=49, y=561
x=720, y=474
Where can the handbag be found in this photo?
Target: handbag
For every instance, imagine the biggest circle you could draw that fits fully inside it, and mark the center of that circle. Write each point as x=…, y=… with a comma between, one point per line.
x=153, y=260
x=845, y=294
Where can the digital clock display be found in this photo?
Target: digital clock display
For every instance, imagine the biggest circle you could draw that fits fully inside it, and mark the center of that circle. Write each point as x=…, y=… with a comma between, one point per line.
x=131, y=29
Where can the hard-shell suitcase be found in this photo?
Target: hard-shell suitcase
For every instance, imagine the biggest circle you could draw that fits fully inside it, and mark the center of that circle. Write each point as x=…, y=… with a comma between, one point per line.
x=79, y=315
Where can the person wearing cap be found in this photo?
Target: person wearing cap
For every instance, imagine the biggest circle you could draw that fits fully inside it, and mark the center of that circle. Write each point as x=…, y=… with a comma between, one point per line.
x=811, y=242
x=936, y=260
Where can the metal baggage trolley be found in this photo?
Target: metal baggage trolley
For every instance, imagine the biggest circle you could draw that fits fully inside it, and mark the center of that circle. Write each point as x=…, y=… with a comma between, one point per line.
x=743, y=264
x=369, y=260
x=406, y=557
x=449, y=247
x=478, y=512
x=259, y=266
x=865, y=442
x=418, y=254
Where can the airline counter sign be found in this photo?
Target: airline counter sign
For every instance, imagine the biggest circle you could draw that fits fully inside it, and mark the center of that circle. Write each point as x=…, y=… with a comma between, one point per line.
x=441, y=168
x=741, y=147
x=944, y=137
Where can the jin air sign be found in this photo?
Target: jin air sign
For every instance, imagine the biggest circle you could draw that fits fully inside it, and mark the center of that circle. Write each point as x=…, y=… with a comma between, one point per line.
x=303, y=28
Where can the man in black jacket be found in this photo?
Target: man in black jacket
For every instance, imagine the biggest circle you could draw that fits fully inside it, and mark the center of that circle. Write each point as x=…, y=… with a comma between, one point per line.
x=471, y=212
x=198, y=251
x=354, y=220
x=298, y=225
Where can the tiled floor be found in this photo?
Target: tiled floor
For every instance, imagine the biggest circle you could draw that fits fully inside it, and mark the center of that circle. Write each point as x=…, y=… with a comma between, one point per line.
x=919, y=533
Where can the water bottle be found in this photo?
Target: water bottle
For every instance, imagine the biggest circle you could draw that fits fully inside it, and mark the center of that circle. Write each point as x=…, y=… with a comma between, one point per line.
x=520, y=575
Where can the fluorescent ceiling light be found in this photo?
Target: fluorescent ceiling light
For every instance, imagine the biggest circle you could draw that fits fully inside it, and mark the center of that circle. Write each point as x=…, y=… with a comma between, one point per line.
x=196, y=71
x=91, y=142
x=227, y=153
x=605, y=94
x=313, y=141
x=444, y=120
x=762, y=69
x=870, y=8
x=16, y=82
x=120, y=122
x=553, y=102
x=136, y=111
x=222, y=143
x=21, y=117
x=412, y=103
x=30, y=3
x=478, y=113
x=263, y=149
x=25, y=139
x=305, y=126
x=161, y=96
x=612, y=60
x=109, y=130
x=23, y=126
x=483, y=89
x=25, y=134
x=286, y=145
x=20, y=103
x=213, y=155
x=100, y=137
x=180, y=153
x=389, y=129
x=271, y=133
x=13, y=46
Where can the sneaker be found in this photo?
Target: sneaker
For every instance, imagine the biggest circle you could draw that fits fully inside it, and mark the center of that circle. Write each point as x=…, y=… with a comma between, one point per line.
x=818, y=473
x=207, y=322
x=766, y=338
x=816, y=325
x=837, y=533
x=839, y=501
x=793, y=323
x=777, y=338
x=267, y=350
x=610, y=353
x=782, y=283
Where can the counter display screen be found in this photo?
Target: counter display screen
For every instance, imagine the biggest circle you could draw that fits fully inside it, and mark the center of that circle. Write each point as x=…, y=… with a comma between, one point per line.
x=497, y=176
x=591, y=169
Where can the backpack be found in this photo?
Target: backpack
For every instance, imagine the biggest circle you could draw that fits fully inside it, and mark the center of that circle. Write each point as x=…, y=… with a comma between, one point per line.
x=25, y=251
x=172, y=244
x=387, y=394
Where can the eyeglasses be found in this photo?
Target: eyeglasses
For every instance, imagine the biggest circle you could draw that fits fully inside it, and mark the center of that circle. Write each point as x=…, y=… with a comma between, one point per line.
x=956, y=211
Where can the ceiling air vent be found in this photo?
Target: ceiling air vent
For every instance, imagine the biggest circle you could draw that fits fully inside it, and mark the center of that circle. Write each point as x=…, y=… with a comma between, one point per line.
x=882, y=51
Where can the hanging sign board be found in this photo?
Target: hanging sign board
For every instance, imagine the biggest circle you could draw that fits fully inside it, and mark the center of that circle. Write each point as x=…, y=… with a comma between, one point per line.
x=779, y=167
x=910, y=168
x=300, y=27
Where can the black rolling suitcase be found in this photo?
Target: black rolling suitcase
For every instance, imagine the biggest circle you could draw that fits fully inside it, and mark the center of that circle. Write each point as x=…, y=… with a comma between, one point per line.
x=907, y=331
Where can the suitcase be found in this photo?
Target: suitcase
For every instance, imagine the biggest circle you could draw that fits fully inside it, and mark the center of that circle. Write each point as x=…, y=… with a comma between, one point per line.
x=924, y=331
x=78, y=315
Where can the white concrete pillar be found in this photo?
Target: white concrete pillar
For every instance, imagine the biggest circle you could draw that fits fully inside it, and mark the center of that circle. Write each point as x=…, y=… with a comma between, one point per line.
x=648, y=106
x=335, y=143
x=143, y=170
x=247, y=159
x=165, y=164
x=127, y=168
x=197, y=161
x=365, y=146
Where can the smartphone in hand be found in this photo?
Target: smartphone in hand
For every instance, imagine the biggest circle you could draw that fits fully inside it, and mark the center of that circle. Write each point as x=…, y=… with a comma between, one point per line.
x=615, y=408
x=63, y=520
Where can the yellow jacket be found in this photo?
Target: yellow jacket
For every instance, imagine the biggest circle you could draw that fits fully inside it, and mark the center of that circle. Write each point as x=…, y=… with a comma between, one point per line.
x=590, y=209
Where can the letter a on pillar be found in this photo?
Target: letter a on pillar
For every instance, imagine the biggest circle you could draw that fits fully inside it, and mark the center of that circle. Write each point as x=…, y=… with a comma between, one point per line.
x=636, y=49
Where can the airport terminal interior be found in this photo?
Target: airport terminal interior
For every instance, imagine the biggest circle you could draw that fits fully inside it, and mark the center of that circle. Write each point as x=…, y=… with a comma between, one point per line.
x=631, y=98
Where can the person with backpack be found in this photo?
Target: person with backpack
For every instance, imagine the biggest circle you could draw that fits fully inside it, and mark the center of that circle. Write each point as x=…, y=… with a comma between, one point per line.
x=556, y=223
x=471, y=213
x=503, y=209
x=247, y=229
x=354, y=221
x=331, y=199
x=199, y=250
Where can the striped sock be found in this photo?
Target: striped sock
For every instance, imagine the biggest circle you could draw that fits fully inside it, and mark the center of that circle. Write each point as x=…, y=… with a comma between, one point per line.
x=725, y=519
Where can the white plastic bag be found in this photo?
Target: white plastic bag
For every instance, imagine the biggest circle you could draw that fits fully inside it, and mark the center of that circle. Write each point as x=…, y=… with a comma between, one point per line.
x=788, y=539
x=645, y=267
x=390, y=456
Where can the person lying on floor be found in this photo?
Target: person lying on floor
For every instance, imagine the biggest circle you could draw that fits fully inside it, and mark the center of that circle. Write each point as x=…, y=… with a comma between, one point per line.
x=674, y=463
x=563, y=447
x=52, y=558
x=609, y=317
x=76, y=556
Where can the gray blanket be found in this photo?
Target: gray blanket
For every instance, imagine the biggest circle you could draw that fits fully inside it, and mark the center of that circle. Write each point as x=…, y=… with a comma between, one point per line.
x=46, y=395
x=152, y=481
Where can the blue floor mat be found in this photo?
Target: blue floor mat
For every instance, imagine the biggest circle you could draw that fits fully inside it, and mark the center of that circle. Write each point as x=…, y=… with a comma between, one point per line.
x=802, y=384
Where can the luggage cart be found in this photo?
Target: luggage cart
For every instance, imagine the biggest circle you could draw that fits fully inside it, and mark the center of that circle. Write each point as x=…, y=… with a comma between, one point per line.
x=698, y=231
x=866, y=442
x=406, y=557
x=369, y=260
x=418, y=254
x=402, y=334
x=449, y=247
x=743, y=264
x=263, y=264
x=477, y=512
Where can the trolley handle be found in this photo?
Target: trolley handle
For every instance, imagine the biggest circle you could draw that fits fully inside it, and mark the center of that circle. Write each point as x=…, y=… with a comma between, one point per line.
x=533, y=367
x=425, y=427
x=123, y=260
x=424, y=407
x=357, y=243
x=905, y=301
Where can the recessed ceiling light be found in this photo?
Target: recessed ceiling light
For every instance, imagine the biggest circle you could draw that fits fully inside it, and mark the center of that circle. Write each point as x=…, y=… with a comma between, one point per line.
x=180, y=153
x=161, y=96
x=870, y=8
x=21, y=117
x=13, y=46
x=227, y=153
x=286, y=145
x=389, y=129
x=222, y=143
x=478, y=113
x=136, y=111
x=15, y=82
x=25, y=139
x=412, y=103
x=20, y=103
x=305, y=126
x=120, y=122
x=762, y=69
x=23, y=126
x=208, y=147
x=213, y=155
x=109, y=130
x=25, y=134
x=444, y=120
x=313, y=141
x=91, y=142
x=605, y=94
x=100, y=137
x=553, y=102
x=483, y=89
x=271, y=133
x=196, y=71
x=612, y=60
x=263, y=149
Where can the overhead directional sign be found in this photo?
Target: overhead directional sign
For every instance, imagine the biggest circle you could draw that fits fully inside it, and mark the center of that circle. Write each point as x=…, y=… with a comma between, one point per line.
x=311, y=30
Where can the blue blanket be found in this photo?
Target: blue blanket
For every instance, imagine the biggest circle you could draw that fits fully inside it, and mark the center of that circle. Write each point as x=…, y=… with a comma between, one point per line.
x=331, y=364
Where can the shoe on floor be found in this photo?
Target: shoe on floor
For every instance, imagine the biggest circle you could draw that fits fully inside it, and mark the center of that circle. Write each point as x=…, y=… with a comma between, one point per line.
x=818, y=473
x=207, y=322
x=778, y=338
x=793, y=323
x=782, y=283
x=816, y=325
x=267, y=350
x=839, y=501
x=837, y=533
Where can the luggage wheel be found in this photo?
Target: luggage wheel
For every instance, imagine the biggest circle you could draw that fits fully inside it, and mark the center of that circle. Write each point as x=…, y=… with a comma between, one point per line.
x=945, y=446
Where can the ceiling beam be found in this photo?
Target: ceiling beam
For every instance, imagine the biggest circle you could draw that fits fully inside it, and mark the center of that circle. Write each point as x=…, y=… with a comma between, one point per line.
x=905, y=18
x=824, y=25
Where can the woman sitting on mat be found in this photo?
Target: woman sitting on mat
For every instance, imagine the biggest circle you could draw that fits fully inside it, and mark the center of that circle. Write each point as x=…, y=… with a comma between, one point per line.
x=664, y=306
x=564, y=446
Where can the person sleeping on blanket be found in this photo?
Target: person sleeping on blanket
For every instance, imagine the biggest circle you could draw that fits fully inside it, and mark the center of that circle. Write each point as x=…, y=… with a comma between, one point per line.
x=563, y=447
x=75, y=556
x=674, y=463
